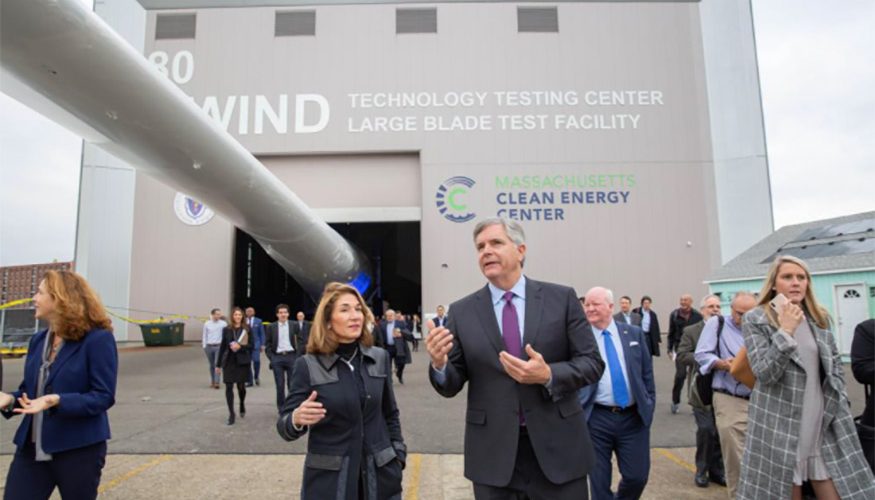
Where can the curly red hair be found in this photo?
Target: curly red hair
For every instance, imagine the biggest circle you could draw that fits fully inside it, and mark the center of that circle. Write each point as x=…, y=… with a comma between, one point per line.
x=77, y=307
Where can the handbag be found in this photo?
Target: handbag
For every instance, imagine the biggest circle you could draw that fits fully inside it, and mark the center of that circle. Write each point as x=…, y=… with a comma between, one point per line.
x=704, y=382
x=740, y=369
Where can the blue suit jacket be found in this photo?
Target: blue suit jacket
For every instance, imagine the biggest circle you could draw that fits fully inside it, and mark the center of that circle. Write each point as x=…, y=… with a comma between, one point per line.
x=639, y=368
x=84, y=375
x=258, y=333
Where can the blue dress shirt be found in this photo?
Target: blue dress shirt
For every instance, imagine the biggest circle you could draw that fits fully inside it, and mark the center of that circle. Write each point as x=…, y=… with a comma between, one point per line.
x=645, y=320
x=605, y=393
x=387, y=330
x=731, y=340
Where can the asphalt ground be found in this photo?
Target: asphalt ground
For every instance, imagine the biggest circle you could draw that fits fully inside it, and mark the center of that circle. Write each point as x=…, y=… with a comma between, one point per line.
x=170, y=439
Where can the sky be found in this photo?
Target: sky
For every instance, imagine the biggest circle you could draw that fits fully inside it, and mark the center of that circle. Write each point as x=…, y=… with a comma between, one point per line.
x=818, y=90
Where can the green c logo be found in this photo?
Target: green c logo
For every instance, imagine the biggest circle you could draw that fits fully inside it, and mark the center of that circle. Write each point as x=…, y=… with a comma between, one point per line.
x=451, y=198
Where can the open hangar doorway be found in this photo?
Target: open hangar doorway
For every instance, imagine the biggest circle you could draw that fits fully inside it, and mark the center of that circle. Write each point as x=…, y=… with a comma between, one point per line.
x=392, y=248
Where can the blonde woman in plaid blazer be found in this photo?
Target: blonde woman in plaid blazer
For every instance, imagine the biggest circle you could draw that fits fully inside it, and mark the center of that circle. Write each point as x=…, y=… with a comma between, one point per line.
x=771, y=466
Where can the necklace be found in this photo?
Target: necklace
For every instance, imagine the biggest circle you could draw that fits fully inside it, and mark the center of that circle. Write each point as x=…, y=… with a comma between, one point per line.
x=349, y=361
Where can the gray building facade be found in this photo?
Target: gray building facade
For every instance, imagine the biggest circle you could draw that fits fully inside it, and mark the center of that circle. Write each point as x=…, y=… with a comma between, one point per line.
x=626, y=137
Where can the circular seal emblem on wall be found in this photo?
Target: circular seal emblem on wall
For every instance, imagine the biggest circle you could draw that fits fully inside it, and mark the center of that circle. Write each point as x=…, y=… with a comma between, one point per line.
x=191, y=211
x=450, y=199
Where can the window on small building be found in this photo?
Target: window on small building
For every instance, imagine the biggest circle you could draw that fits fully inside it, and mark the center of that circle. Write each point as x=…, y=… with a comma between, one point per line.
x=537, y=20
x=416, y=20
x=175, y=26
x=295, y=23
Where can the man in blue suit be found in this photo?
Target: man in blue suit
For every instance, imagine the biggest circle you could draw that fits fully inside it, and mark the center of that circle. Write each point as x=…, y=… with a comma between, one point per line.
x=257, y=328
x=619, y=409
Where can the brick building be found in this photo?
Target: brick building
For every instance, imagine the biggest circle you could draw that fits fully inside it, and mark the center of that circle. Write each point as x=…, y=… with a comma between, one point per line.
x=21, y=282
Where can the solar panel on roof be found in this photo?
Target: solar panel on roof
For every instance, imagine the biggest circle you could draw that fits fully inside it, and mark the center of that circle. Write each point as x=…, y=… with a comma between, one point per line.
x=833, y=240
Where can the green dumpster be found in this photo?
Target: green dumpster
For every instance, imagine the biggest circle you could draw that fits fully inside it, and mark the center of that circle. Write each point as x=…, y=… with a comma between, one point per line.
x=158, y=334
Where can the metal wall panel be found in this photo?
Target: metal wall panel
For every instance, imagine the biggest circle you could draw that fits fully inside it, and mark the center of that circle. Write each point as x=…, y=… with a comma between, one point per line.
x=662, y=241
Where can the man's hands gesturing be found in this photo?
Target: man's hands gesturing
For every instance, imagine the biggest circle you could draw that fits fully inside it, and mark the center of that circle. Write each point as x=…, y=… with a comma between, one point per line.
x=439, y=343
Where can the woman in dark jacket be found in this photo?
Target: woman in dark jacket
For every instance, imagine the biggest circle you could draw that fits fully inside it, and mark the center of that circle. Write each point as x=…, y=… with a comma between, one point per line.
x=235, y=355
x=342, y=394
x=69, y=384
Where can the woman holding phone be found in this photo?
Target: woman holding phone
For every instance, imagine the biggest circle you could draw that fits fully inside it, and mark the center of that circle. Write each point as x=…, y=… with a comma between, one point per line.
x=800, y=427
x=235, y=355
x=342, y=395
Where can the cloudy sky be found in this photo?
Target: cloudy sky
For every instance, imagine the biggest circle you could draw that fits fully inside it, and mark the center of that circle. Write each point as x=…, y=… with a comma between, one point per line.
x=817, y=76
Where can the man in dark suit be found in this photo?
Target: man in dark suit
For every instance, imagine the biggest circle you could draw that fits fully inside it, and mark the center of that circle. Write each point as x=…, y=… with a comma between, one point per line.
x=385, y=337
x=301, y=331
x=619, y=408
x=649, y=325
x=440, y=319
x=524, y=350
x=281, y=349
x=626, y=315
x=256, y=326
x=402, y=320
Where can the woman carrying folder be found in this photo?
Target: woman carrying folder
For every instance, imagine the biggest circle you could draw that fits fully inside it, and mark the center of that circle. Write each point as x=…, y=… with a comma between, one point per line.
x=235, y=355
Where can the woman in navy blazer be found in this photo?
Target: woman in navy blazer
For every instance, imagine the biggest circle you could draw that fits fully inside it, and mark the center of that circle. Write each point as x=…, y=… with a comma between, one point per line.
x=69, y=384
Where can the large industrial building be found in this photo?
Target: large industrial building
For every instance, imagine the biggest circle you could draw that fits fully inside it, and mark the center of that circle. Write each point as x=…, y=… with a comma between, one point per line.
x=626, y=136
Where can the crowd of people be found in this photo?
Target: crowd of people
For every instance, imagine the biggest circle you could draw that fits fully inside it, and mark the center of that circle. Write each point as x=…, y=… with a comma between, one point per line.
x=557, y=385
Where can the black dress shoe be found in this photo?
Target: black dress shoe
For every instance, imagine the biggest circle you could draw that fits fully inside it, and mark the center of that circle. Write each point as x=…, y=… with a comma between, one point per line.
x=242, y=411
x=718, y=479
x=230, y=420
x=257, y=382
x=701, y=480
x=248, y=384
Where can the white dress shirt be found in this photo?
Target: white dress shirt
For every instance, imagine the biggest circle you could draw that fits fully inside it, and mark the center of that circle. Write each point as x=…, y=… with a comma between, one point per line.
x=283, y=339
x=213, y=332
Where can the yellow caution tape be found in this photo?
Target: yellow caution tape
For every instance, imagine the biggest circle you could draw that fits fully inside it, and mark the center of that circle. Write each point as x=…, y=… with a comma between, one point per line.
x=22, y=350
x=14, y=351
x=15, y=303
x=162, y=319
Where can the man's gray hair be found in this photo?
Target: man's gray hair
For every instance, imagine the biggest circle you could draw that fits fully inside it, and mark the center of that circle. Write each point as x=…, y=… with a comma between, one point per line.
x=743, y=293
x=706, y=297
x=513, y=228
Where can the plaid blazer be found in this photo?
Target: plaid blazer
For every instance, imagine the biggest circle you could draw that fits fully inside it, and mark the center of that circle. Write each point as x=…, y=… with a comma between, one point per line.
x=774, y=417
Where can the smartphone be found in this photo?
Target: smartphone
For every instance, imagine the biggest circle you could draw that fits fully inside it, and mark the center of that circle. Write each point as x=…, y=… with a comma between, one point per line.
x=779, y=302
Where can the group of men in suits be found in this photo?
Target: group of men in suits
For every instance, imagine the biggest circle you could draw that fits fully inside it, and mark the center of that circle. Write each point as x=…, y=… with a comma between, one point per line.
x=282, y=342
x=643, y=317
x=553, y=390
